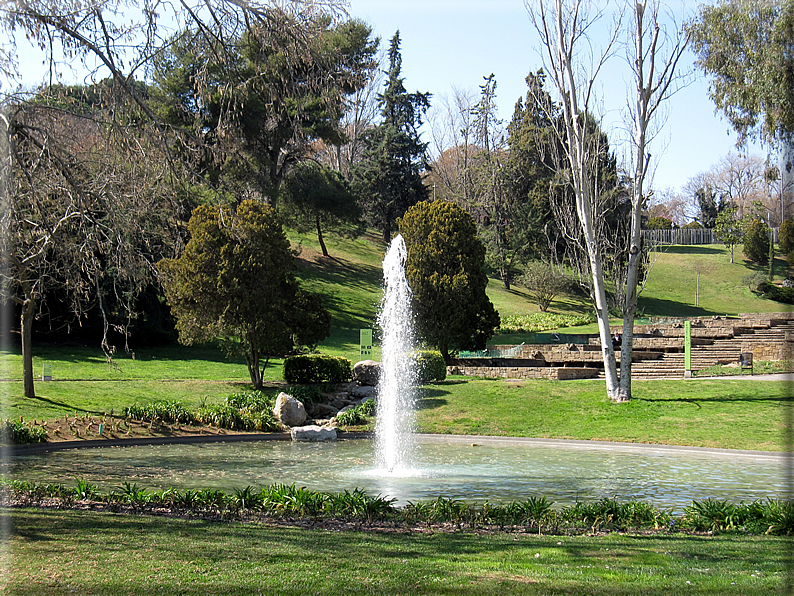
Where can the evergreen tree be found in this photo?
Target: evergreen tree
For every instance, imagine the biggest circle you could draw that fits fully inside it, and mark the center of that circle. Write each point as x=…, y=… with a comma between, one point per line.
x=445, y=268
x=389, y=177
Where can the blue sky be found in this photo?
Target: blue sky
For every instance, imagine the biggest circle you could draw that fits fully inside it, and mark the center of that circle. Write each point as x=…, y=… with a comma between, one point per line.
x=448, y=43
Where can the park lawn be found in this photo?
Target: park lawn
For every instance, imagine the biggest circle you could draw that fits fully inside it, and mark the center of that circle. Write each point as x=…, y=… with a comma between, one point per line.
x=86, y=552
x=724, y=413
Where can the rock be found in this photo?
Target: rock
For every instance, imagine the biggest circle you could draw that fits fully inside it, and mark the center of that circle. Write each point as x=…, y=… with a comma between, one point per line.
x=364, y=391
x=313, y=433
x=322, y=410
x=366, y=372
x=289, y=411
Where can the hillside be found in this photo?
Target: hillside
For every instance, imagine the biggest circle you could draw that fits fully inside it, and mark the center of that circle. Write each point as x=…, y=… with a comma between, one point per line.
x=351, y=281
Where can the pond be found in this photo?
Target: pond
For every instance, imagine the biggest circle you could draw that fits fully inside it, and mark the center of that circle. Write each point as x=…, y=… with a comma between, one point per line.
x=474, y=469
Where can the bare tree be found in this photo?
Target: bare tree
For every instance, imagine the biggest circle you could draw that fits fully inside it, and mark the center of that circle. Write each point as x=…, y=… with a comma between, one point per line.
x=653, y=57
x=87, y=205
x=573, y=67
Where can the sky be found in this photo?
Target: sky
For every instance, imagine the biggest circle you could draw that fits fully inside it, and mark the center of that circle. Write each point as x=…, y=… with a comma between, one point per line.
x=455, y=43
x=447, y=44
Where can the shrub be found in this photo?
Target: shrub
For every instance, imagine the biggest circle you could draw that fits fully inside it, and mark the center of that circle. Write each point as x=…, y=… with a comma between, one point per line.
x=753, y=280
x=660, y=223
x=785, y=237
x=160, y=411
x=352, y=417
x=20, y=432
x=543, y=282
x=756, y=242
x=776, y=293
x=429, y=366
x=317, y=368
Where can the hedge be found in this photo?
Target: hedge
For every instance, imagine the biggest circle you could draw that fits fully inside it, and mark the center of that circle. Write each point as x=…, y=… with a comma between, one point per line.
x=317, y=368
x=429, y=366
x=776, y=293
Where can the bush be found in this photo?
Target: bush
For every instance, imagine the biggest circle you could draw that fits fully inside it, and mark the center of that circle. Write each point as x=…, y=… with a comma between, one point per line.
x=429, y=366
x=785, y=237
x=778, y=294
x=756, y=242
x=317, y=368
x=19, y=432
x=543, y=283
x=660, y=223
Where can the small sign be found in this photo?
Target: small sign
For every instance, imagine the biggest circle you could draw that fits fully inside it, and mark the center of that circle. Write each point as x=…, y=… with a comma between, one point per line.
x=365, y=341
x=46, y=374
x=687, y=349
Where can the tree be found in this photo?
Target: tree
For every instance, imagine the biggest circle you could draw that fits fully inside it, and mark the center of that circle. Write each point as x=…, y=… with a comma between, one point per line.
x=235, y=282
x=88, y=212
x=748, y=49
x=388, y=179
x=653, y=57
x=316, y=197
x=445, y=267
x=260, y=104
x=756, y=241
x=68, y=194
x=786, y=237
x=543, y=283
x=729, y=229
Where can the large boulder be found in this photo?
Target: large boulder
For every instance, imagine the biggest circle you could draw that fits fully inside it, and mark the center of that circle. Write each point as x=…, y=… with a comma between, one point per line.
x=289, y=411
x=313, y=433
x=366, y=372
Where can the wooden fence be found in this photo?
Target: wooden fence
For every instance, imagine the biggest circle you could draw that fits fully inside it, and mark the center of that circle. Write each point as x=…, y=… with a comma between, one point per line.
x=685, y=236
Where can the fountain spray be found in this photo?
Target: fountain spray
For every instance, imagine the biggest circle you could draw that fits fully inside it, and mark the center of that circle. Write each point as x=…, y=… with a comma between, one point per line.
x=395, y=416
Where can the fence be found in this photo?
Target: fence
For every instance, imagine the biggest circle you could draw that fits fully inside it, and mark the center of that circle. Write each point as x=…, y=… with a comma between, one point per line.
x=686, y=236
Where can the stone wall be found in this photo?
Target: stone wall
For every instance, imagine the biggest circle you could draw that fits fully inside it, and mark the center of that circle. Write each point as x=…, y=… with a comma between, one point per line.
x=562, y=373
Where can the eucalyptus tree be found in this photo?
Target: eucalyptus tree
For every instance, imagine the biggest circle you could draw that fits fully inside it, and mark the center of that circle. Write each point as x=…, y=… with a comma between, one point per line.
x=747, y=48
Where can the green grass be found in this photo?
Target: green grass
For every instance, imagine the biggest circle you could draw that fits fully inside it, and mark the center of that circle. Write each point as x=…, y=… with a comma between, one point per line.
x=85, y=552
x=705, y=413
x=672, y=283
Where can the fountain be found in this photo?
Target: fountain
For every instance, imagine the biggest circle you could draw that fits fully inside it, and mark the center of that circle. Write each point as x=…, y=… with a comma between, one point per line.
x=395, y=415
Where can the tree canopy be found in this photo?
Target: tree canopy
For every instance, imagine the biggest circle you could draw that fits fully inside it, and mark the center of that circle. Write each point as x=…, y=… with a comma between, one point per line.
x=445, y=267
x=389, y=177
x=235, y=282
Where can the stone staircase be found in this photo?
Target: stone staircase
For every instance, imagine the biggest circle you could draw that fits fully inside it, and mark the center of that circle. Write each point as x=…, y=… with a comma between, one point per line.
x=658, y=350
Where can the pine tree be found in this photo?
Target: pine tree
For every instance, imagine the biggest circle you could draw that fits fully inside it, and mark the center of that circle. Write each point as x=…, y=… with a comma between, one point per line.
x=389, y=177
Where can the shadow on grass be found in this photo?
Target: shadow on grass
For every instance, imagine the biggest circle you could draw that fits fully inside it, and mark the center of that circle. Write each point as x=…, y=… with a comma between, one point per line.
x=658, y=307
x=693, y=249
x=60, y=404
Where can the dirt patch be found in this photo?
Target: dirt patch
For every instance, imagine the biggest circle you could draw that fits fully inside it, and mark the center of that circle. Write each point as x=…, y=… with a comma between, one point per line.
x=93, y=428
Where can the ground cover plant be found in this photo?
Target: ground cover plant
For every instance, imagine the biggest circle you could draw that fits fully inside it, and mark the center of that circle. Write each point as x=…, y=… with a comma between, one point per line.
x=61, y=551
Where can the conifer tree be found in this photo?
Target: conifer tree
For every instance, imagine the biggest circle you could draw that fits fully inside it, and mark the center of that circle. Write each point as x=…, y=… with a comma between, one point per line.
x=389, y=177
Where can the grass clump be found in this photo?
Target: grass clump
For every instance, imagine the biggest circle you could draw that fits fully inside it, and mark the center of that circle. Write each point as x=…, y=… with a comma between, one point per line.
x=19, y=432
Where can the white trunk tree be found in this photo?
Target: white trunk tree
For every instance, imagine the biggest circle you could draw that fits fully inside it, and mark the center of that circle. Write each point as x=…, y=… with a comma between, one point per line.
x=573, y=67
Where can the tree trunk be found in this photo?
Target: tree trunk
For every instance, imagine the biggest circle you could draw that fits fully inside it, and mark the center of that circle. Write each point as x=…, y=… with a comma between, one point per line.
x=26, y=323
x=320, y=238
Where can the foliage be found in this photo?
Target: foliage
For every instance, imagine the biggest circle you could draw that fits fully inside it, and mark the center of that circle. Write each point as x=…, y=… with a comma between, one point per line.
x=357, y=415
x=388, y=178
x=729, y=229
x=317, y=368
x=659, y=223
x=756, y=242
x=428, y=366
x=445, y=267
x=542, y=322
x=779, y=294
x=235, y=281
x=255, y=102
x=19, y=432
x=544, y=282
x=316, y=198
x=745, y=47
x=753, y=280
x=785, y=237
x=245, y=411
